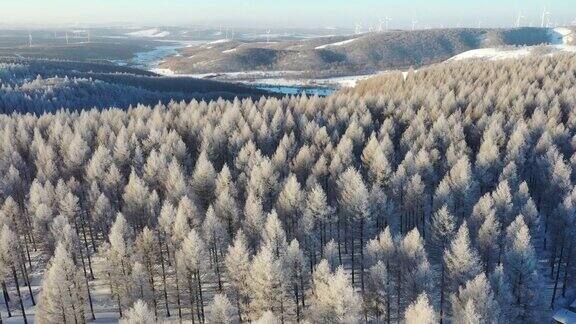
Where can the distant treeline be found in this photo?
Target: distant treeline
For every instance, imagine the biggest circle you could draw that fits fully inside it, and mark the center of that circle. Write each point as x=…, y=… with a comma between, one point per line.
x=38, y=86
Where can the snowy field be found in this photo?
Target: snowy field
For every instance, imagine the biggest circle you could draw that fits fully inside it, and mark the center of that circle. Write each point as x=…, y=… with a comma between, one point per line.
x=348, y=41
x=150, y=33
x=496, y=54
x=274, y=78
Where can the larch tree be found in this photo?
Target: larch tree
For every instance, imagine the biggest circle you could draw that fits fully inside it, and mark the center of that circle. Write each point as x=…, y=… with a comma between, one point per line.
x=319, y=213
x=477, y=292
x=289, y=204
x=461, y=260
x=412, y=270
x=10, y=260
x=333, y=299
x=117, y=265
x=353, y=199
x=296, y=275
x=521, y=266
x=192, y=269
x=420, y=311
x=63, y=295
x=203, y=181
x=237, y=264
x=146, y=252
x=216, y=238
x=139, y=313
x=266, y=284
x=254, y=220
x=221, y=310
x=377, y=298
x=273, y=235
x=442, y=233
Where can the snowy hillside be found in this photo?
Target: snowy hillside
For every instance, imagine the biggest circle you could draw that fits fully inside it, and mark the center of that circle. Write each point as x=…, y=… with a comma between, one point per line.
x=151, y=33
x=513, y=53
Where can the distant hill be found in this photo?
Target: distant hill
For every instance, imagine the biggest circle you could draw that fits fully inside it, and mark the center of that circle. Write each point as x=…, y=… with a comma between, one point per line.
x=345, y=55
x=43, y=85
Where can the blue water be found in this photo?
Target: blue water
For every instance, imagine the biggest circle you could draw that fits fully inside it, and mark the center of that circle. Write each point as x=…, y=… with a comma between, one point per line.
x=294, y=90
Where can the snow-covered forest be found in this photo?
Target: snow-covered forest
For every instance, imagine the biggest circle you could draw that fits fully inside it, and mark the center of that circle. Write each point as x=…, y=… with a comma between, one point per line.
x=38, y=86
x=446, y=196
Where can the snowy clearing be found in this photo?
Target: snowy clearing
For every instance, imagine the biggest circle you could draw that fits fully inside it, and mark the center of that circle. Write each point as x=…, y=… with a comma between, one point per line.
x=229, y=51
x=219, y=41
x=348, y=41
x=495, y=54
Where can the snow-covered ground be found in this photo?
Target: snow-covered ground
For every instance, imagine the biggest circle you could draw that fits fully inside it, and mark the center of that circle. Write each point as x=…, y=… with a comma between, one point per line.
x=495, y=54
x=152, y=33
x=563, y=36
x=348, y=41
x=219, y=41
x=273, y=78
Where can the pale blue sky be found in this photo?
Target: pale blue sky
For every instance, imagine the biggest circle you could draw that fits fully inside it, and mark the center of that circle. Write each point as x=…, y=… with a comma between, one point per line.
x=286, y=13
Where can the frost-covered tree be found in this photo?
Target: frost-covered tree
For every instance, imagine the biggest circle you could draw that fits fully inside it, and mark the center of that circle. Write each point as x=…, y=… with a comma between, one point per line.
x=63, y=295
x=266, y=284
x=117, y=265
x=441, y=234
x=273, y=235
x=521, y=266
x=145, y=250
x=203, y=181
x=420, y=311
x=333, y=299
x=237, y=264
x=140, y=313
x=295, y=271
x=478, y=293
x=461, y=260
x=221, y=310
x=353, y=199
x=192, y=269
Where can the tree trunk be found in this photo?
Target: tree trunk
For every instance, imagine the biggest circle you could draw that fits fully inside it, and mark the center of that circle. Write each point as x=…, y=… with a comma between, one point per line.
x=557, y=277
x=200, y=294
x=6, y=299
x=192, y=297
x=19, y=295
x=442, y=294
x=164, y=282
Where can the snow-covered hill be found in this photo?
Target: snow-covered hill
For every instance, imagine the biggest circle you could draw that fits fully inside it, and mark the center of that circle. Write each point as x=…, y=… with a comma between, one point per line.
x=151, y=33
x=495, y=53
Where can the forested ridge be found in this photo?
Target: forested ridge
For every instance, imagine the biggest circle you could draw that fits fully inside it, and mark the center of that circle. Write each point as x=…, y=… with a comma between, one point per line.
x=38, y=86
x=443, y=196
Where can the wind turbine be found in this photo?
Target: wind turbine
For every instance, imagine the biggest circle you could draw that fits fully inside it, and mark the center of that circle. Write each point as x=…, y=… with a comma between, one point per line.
x=268, y=35
x=67, y=41
x=414, y=23
x=519, y=19
x=386, y=22
x=358, y=29
x=29, y=39
x=545, y=14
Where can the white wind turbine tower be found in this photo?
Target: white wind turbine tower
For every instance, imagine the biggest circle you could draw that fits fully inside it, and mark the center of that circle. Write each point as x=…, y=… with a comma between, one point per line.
x=358, y=29
x=414, y=23
x=545, y=16
x=29, y=39
x=67, y=40
x=268, y=35
x=387, y=22
x=519, y=19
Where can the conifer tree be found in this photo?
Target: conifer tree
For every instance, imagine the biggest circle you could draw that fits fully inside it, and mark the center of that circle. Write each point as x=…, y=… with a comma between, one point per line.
x=63, y=295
